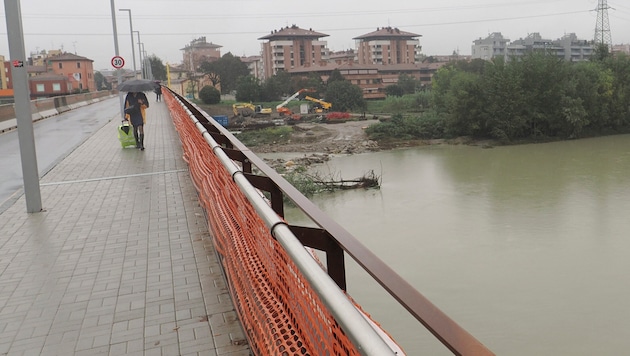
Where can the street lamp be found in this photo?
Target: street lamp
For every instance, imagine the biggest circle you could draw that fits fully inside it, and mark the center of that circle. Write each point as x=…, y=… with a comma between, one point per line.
x=139, y=53
x=133, y=51
x=118, y=71
x=146, y=63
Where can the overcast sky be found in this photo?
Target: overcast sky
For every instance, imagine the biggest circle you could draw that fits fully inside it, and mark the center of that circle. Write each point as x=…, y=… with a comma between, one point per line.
x=85, y=27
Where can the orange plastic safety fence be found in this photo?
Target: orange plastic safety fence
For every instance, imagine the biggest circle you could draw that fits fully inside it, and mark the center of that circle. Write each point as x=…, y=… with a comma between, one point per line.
x=279, y=310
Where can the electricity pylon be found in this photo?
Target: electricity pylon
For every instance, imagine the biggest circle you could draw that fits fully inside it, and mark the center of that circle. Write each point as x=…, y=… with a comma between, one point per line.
x=602, y=29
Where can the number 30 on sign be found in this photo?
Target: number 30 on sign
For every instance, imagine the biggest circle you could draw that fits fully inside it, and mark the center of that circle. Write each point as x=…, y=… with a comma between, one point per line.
x=118, y=62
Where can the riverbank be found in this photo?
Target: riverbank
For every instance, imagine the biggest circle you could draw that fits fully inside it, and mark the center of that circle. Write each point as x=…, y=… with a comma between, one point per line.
x=348, y=138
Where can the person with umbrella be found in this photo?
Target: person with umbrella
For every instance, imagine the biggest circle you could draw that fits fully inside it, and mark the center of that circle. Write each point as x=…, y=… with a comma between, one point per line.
x=135, y=105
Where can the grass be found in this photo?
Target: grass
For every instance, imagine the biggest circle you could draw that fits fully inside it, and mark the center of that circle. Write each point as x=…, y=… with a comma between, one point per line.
x=270, y=135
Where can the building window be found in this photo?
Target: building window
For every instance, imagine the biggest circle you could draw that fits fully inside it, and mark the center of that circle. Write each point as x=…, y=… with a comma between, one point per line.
x=78, y=64
x=60, y=65
x=40, y=88
x=56, y=87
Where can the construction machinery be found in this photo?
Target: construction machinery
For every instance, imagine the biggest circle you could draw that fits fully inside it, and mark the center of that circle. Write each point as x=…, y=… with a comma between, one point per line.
x=320, y=106
x=249, y=109
x=282, y=110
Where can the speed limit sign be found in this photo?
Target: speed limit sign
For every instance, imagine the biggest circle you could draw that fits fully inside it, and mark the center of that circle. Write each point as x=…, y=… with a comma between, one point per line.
x=118, y=62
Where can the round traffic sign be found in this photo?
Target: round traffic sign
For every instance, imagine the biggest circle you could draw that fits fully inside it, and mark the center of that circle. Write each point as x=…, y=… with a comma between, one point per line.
x=118, y=62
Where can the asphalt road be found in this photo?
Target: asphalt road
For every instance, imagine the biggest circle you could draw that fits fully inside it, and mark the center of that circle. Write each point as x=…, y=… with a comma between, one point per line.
x=55, y=138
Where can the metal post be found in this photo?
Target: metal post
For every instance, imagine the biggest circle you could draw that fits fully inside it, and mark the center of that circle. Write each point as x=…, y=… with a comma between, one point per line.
x=133, y=50
x=144, y=59
x=22, y=96
x=120, y=95
x=140, y=55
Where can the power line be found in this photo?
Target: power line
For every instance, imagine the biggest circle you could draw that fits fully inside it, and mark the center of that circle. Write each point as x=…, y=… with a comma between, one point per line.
x=325, y=30
x=285, y=15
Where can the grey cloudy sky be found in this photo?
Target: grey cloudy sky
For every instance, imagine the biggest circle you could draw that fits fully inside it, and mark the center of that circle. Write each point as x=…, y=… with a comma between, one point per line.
x=85, y=27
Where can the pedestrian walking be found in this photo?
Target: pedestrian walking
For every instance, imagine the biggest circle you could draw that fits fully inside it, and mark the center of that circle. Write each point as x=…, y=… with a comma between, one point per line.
x=135, y=106
x=158, y=93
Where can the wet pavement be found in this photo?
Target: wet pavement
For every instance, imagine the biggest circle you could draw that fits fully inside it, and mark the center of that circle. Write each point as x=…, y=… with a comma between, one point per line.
x=120, y=262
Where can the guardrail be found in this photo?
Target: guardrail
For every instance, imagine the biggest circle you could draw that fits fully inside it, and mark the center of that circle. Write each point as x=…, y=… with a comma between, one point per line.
x=47, y=107
x=330, y=237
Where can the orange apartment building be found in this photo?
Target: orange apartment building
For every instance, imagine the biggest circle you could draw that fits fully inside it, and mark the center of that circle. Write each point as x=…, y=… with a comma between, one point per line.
x=381, y=56
x=79, y=70
x=388, y=45
x=199, y=51
x=61, y=74
x=291, y=48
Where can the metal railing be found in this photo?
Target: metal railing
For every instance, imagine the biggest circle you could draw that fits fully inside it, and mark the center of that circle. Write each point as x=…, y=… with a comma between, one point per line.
x=332, y=239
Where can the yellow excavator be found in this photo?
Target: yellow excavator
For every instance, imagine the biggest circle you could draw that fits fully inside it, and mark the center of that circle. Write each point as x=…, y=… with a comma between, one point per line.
x=320, y=106
x=249, y=109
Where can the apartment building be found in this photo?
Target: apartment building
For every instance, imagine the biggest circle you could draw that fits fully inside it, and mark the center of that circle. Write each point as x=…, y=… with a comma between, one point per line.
x=291, y=48
x=574, y=49
x=199, y=51
x=568, y=47
x=492, y=46
x=388, y=45
x=79, y=70
x=254, y=64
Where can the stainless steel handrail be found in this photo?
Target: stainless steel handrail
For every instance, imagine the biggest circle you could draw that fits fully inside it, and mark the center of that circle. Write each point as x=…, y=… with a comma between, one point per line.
x=452, y=335
x=362, y=334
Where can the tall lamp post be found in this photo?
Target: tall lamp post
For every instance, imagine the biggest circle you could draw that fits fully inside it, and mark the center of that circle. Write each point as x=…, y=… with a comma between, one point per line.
x=133, y=51
x=118, y=71
x=26, y=135
x=140, y=54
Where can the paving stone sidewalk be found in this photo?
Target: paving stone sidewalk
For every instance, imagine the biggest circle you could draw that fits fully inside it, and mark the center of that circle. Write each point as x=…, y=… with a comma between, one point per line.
x=120, y=262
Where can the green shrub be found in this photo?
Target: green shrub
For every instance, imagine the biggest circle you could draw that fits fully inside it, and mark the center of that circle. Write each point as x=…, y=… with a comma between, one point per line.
x=427, y=126
x=210, y=95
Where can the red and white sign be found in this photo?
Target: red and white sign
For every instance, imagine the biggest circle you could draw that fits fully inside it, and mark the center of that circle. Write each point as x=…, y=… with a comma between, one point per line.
x=118, y=62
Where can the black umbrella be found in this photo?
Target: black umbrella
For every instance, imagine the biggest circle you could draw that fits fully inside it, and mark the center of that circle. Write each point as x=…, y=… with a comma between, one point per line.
x=138, y=85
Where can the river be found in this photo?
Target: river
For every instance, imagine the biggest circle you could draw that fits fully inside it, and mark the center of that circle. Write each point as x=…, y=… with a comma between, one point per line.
x=527, y=247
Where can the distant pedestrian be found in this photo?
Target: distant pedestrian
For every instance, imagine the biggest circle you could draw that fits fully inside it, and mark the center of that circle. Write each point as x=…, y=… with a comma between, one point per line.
x=135, y=105
x=158, y=93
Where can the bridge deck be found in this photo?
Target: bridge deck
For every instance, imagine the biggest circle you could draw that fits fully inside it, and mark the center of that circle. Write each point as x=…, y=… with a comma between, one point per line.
x=120, y=262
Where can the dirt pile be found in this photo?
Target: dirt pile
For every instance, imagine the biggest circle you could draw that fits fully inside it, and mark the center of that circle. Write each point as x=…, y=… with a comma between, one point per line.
x=347, y=137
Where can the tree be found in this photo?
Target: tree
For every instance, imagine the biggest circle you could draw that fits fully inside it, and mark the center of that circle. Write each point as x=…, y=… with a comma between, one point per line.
x=210, y=95
x=394, y=90
x=157, y=67
x=277, y=85
x=345, y=96
x=248, y=89
x=601, y=53
x=101, y=83
x=312, y=81
x=225, y=71
x=335, y=76
x=407, y=83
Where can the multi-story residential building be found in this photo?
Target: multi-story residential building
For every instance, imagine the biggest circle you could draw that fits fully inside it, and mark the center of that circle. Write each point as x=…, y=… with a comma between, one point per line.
x=533, y=42
x=388, y=45
x=199, y=51
x=6, y=69
x=77, y=69
x=621, y=48
x=292, y=48
x=574, y=49
x=340, y=57
x=568, y=48
x=492, y=46
x=254, y=64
